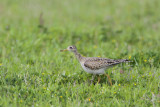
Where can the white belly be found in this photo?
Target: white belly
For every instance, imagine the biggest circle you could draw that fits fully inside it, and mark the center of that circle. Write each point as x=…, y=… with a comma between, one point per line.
x=100, y=71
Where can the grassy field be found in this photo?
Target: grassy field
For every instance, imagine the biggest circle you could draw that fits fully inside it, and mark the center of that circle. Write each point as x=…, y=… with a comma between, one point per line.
x=33, y=72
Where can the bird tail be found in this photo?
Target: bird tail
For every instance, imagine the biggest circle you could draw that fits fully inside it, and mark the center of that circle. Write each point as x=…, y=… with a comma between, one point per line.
x=125, y=60
x=121, y=61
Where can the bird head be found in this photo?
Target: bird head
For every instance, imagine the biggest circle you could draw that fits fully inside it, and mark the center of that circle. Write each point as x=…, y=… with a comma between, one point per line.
x=70, y=48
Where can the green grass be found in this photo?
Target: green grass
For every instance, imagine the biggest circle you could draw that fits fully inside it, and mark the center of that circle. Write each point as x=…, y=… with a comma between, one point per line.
x=34, y=73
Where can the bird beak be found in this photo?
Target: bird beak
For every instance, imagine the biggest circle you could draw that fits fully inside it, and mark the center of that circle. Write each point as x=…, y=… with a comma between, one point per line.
x=63, y=50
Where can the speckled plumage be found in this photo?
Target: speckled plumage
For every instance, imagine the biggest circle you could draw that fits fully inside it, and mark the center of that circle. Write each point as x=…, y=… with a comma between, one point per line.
x=95, y=65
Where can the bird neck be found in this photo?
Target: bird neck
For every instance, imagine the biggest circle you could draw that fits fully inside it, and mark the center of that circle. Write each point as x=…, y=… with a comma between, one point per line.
x=78, y=55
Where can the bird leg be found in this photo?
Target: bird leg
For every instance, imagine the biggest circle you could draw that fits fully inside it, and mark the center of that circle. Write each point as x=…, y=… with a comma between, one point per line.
x=109, y=79
x=93, y=76
x=99, y=78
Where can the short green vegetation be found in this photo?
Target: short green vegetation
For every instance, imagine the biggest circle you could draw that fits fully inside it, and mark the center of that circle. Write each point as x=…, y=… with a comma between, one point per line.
x=34, y=73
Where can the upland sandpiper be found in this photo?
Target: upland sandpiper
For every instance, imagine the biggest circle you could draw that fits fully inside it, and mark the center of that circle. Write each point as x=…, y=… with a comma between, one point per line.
x=95, y=65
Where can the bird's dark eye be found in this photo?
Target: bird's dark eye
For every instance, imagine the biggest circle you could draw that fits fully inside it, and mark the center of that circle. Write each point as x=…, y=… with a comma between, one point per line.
x=71, y=47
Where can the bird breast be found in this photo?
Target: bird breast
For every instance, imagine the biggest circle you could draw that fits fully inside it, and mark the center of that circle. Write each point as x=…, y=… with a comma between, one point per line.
x=98, y=71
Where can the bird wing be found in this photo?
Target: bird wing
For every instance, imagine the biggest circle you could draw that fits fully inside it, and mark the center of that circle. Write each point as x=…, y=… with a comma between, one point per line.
x=99, y=63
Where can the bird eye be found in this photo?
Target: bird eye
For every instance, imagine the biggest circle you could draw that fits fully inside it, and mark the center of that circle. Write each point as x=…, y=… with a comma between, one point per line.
x=71, y=47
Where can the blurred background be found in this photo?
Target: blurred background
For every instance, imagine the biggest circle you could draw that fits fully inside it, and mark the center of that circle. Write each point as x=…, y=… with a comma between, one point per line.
x=40, y=27
x=33, y=31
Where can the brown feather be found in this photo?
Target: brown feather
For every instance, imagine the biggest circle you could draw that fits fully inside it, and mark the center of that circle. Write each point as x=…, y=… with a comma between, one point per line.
x=95, y=63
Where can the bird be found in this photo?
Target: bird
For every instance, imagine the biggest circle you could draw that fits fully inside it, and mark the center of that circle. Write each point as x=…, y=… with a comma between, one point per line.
x=95, y=65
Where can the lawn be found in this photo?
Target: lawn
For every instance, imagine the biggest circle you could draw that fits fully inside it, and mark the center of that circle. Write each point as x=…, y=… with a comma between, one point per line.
x=33, y=71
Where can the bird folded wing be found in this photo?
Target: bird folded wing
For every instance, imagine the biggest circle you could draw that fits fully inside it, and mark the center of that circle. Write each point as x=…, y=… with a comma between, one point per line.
x=100, y=63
